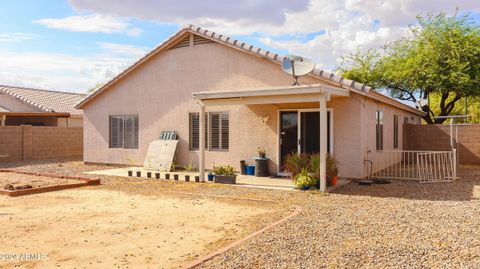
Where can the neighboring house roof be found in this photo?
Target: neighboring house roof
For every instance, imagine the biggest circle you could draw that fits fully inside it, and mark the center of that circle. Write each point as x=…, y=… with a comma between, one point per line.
x=242, y=46
x=45, y=100
x=2, y=109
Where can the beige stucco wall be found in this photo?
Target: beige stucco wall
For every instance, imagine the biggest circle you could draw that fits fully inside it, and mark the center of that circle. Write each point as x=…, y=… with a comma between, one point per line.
x=160, y=92
x=368, y=138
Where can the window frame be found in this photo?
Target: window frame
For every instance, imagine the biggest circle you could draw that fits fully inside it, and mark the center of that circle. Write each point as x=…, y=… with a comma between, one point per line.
x=123, y=131
x=220, y=130
x=208, y=131
x=190, y=131
x=395, y=131
x=379, y=130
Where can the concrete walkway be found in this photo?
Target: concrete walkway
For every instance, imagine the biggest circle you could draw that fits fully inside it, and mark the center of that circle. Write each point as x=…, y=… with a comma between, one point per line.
x=242, y=180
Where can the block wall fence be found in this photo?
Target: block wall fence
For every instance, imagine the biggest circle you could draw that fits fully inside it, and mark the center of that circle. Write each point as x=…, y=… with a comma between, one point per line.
x=40, y=142
x=437, y=137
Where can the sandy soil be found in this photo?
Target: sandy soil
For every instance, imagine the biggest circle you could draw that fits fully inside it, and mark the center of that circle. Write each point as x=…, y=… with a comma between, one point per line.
x=100, y=228
x=17, y=179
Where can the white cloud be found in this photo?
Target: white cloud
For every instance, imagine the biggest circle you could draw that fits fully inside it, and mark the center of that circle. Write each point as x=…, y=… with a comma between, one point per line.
x=16, y=37
x=166, y=11
x=62, y=71
x=124, y=50
x=340, y=26
x=95, y=23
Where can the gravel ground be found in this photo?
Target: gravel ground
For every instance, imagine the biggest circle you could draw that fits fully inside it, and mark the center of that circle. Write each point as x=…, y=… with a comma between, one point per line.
x=402, y=224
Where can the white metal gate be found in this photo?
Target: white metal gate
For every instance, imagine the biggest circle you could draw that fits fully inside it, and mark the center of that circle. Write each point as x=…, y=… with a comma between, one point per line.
x=425, y=166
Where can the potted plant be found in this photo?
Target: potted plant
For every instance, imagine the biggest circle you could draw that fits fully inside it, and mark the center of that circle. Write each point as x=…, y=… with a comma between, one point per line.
x=261, y=152
x=294, y=163
x=332, y=170
x=225, y=174
x=304, y=181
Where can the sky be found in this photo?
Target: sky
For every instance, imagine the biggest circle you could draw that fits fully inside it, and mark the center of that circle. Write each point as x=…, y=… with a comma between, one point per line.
x=77, y=44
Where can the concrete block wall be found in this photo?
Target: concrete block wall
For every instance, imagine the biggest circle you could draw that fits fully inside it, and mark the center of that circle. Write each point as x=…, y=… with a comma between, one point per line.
x=40, y=142
x=437, y=137
x=10, y=143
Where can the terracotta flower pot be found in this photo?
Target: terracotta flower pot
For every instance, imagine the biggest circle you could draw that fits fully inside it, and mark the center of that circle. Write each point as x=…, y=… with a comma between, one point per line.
x=334, y=180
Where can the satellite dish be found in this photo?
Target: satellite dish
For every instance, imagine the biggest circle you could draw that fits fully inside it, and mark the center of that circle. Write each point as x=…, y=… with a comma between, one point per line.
x=297, y=66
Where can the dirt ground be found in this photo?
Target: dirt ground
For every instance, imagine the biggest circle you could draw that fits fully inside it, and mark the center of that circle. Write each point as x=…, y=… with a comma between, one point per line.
x=404, y=224
x=95, y=228
x=16, y=179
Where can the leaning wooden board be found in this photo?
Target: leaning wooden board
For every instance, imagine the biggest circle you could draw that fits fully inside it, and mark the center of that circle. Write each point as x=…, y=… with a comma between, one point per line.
x=160, y=155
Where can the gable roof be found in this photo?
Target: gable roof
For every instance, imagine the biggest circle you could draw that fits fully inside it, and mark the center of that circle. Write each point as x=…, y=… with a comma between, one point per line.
x=45, y=100
x=244, y=47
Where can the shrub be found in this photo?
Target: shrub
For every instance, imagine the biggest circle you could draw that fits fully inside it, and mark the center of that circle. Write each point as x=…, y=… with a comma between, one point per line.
x=303, y=179
x=332, y=166
x=225, y=170
x=294, y=163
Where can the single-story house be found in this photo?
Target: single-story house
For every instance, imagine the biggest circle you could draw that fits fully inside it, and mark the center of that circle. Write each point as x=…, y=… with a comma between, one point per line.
x=226, y=98
x=25, y=106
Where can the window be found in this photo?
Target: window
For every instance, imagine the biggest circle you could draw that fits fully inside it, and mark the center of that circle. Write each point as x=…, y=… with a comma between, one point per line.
x=405, y=120
x=219, y=131
x=194, y=139
x=124, y=131
x=395, y=131
x=379, y=130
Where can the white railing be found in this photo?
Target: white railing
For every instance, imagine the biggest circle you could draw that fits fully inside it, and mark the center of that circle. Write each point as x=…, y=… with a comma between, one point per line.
x=425, y=166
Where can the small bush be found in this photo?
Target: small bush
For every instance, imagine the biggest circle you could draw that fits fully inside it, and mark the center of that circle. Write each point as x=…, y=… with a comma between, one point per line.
x=225, y=170
x=294, y=163
x=303, y=179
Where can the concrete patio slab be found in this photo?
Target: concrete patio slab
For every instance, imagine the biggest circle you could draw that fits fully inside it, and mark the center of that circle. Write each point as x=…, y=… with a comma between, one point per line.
x=242, y=180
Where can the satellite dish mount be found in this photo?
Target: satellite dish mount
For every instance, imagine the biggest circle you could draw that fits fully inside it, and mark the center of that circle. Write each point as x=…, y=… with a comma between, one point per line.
x=297, y=66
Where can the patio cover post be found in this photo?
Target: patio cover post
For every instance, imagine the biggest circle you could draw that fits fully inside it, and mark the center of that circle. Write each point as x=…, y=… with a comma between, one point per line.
x=3, y=120
x=201, y=137
x=323, y=143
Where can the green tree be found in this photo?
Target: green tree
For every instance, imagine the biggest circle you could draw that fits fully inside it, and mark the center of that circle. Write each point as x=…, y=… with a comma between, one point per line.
x=473, y=107
x=97, y=86
x=442, y=57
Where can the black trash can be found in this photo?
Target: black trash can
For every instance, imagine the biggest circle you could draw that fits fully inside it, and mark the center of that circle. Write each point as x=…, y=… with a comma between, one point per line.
x=243, y=167
x=261, y=167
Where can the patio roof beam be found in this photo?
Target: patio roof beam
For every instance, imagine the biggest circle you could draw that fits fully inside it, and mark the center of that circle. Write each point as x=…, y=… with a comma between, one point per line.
x=289, y=90
x=258, y=100
x=323, y=143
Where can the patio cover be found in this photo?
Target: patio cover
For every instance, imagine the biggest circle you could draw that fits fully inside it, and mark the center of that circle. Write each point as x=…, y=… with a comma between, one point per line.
x=277, y=95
